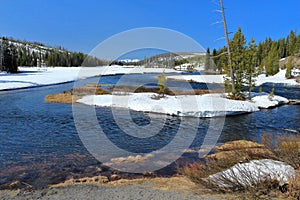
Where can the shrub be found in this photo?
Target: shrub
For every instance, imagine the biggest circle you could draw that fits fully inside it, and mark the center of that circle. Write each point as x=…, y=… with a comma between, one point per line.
x=285, y=148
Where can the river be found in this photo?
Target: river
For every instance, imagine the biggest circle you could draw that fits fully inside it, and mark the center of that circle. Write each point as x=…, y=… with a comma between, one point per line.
x=40, y=145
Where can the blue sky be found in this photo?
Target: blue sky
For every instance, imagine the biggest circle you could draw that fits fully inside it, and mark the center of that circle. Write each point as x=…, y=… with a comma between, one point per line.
x=81, y=25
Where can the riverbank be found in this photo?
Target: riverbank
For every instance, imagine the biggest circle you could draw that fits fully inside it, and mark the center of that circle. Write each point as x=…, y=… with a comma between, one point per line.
x=278, y=78
x=179, y=188
x=29, y=77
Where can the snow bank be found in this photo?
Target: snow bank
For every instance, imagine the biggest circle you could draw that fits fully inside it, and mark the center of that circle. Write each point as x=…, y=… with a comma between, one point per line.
x=200, y=78
x=208, y=105
x=38, y=76
x=256, y=171
x=265, y=101
x=261, y=79
x=277, y=78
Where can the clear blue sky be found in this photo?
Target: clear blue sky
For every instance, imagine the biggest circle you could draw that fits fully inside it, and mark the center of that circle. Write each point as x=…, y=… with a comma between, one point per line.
x=81, y=25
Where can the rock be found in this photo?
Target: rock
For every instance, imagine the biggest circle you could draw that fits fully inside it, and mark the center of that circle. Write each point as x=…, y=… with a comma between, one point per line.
x=294, y=101
x=115, y=177
x=149, y=175
x=13, y=185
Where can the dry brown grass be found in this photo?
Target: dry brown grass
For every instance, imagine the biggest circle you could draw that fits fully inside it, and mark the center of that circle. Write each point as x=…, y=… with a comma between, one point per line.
x=71, y=96
x=88, y=91
x=141, y=89
x=239, y=151
x=86, y=180
x=65, y=98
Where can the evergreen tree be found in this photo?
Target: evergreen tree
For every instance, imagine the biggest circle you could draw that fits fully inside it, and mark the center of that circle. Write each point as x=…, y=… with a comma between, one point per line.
x=214, y=61
x=9, y=56
x=272, y=61
x=291, y=44
x=207, y=65
x=289, y=67
x=297, y=51
x=162, y=84
x=237, y=48
x=281, y=48
x=250, y=66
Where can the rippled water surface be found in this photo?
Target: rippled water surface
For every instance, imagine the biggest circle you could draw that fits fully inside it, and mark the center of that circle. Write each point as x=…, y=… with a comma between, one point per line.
x=40, y=145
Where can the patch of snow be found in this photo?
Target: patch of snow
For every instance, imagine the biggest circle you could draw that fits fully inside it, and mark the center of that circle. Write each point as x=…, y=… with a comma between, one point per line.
x=277, y=78
x=261, y=79
x=200, y=78
x=256, y=171
x=130, y=60
x=295, y=72
x=184, y=66
x=199, y=67
x=282, y=59
x=265, y=101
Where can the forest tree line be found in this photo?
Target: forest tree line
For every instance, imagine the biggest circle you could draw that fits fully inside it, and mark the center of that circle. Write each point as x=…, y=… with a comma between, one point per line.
x=267, y=53
x=250, y=59
x=22, y=53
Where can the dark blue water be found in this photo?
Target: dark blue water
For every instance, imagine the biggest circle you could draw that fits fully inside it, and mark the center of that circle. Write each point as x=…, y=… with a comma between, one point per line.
x=39, y=143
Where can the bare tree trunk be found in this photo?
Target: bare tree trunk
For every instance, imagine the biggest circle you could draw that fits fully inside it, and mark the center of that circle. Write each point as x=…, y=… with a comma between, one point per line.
x=228, y=48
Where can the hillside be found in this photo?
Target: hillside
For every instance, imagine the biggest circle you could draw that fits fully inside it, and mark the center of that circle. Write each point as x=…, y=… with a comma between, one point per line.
x=14, y=53
x=296, y=62
x=171, y=60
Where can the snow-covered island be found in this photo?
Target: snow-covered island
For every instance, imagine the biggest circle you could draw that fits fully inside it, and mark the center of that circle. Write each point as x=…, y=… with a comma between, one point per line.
x=207, y=105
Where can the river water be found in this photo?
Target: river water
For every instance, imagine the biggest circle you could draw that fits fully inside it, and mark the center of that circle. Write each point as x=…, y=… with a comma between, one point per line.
x=40, y=145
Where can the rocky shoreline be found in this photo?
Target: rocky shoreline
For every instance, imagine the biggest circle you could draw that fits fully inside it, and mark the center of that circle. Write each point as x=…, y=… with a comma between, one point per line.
x=157, y=188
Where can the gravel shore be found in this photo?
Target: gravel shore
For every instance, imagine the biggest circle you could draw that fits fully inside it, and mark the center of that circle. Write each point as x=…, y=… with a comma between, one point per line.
x=105, y=192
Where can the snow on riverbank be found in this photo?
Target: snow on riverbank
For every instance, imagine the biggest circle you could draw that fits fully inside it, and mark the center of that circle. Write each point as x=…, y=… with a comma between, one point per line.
x=208, y=105
x=219, y=78
x=261, y=79
x=38, y=76
x=277, y=78
x=252, y=173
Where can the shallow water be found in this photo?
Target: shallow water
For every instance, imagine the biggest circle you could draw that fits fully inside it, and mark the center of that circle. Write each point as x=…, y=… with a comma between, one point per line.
x=40, y=145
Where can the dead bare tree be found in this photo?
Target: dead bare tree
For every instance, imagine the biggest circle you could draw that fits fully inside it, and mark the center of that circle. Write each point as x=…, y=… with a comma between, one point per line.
x=228, y=48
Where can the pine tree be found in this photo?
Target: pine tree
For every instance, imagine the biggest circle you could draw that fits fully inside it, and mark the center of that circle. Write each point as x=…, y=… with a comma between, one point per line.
x=214, y=61
x=289, y=67
x=162, y=84
x=207, y=65
x=237, y=48
x=250, y=66
x=297, y=51
x=9, y=56
x=291, y=41
x=272, y=61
